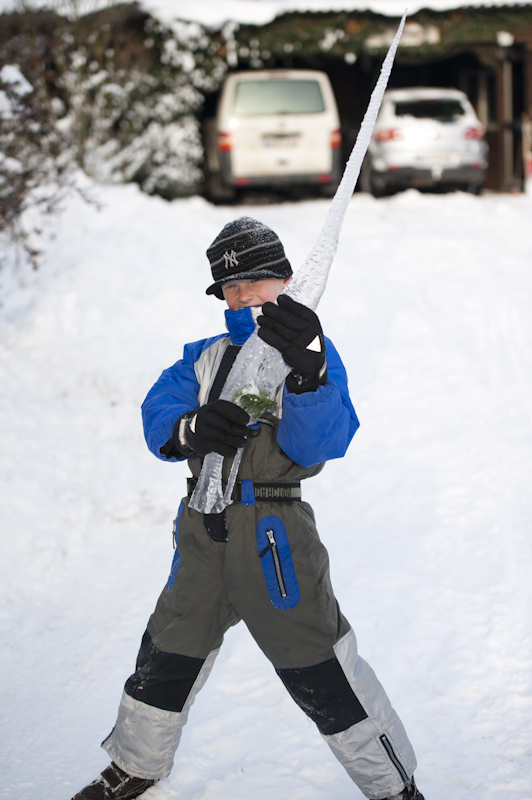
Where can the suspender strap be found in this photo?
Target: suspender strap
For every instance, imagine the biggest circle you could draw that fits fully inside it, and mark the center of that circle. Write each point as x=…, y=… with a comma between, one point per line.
x=272, y=492
x=224, y=369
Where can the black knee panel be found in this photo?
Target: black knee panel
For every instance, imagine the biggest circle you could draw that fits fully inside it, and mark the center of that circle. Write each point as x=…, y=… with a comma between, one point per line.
x=163, y=680
x=324, y=694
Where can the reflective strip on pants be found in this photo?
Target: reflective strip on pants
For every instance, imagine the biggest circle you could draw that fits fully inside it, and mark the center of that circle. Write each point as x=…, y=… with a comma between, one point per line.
x=146, y=735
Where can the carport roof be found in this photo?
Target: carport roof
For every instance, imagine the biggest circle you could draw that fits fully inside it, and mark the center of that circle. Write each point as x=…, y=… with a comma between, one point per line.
x=213, y=13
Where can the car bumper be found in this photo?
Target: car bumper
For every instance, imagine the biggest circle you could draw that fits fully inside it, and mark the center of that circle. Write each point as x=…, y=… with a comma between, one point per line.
x=419, y=177
x=281, y=181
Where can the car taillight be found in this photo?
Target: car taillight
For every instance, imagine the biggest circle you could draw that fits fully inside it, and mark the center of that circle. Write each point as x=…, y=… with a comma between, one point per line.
x=224, y=141
x=389, y=133
x=336, y=139
x=474, y=133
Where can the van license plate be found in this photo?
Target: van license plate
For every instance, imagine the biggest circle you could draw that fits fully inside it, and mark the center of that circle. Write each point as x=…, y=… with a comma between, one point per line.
x=280, y=139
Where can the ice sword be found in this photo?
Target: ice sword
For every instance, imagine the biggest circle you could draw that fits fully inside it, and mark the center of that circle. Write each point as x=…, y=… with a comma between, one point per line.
x=259, y=369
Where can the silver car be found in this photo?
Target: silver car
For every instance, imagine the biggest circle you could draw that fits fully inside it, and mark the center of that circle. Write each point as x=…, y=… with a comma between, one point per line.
x=426, y=137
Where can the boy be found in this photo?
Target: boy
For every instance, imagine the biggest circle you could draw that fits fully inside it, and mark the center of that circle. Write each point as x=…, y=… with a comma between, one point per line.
x=260, y=560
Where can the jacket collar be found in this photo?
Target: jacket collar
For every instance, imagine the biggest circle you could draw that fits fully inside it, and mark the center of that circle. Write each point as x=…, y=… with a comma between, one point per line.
x=241, y=323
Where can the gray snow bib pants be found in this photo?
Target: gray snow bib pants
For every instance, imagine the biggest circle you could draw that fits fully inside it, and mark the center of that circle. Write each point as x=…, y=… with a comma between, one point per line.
x=272, y=573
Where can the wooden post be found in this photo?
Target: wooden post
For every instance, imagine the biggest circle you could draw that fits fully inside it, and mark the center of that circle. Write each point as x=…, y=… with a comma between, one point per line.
x=508, y=115
x=505, y=136
x=528, y=78
x=527, y=116
x=482, y=98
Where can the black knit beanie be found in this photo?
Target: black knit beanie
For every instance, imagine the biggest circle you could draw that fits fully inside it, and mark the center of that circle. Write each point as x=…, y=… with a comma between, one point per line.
x=246, y=249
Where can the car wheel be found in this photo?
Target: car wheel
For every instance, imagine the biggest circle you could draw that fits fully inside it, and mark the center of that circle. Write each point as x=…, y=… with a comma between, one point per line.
x=365, y=176
x=379, y=185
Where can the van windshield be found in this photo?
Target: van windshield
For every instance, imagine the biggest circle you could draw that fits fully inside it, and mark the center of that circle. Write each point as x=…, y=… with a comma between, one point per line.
x=444, y=110
x=278, y=97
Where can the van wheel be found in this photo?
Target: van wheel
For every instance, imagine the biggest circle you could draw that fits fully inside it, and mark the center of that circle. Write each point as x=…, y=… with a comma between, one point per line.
x=217, y=191
x=370, y=181
x=379, y=186
x=328, y=189
x=475, y=188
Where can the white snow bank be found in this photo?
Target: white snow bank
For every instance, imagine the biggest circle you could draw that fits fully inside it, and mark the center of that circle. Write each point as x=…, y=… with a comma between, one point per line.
x=427, y=519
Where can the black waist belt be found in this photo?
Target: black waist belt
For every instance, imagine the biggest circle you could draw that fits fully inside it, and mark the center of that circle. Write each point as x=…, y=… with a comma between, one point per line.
x=274, y=492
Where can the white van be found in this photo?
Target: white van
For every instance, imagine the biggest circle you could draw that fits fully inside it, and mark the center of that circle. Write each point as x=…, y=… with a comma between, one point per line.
x=274, y=128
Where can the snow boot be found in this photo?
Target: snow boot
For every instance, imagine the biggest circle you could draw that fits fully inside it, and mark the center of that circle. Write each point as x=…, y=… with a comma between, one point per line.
x=409, y=793
x=114, y=784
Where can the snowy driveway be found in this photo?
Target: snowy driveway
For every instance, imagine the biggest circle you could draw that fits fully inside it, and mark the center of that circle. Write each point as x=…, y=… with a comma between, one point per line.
x=428, y=518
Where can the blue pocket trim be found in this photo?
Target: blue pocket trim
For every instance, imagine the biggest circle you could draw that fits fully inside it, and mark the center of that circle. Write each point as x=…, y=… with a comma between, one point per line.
x=285, y=559
x=176, y=561
x=247, y=493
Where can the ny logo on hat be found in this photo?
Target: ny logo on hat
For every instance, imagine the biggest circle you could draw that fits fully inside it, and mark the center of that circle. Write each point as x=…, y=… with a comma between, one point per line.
x=230, y=259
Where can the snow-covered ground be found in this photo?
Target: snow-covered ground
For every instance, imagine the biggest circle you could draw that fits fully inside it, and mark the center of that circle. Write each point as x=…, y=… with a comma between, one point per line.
x=427, y=518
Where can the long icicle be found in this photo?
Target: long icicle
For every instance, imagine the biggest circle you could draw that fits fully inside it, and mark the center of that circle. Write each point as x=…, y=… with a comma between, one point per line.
x=308, y=284
x=259, y=367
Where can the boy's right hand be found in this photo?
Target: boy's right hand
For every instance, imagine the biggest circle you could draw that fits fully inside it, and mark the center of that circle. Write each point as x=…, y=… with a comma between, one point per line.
x=219, y=427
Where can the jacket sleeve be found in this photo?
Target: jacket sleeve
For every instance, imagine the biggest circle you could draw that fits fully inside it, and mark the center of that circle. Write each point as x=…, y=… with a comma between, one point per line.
x=172, y=395
x=318, y=426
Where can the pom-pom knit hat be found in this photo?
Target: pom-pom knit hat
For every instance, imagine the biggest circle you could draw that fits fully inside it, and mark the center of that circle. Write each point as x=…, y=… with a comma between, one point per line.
x=246, y=249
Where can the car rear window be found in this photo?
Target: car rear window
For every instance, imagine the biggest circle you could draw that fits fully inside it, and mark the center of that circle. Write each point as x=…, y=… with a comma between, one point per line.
x=443, y=110
x=278, y=97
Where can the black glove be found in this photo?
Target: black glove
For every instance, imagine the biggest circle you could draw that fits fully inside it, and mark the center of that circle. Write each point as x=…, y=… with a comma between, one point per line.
x=295, y=331
x=219, y=427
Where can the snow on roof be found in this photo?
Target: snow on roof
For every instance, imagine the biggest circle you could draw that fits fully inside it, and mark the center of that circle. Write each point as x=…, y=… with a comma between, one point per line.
x=214, y=13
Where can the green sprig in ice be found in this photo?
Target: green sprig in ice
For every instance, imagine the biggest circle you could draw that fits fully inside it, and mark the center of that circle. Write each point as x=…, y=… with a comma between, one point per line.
x=254, y=403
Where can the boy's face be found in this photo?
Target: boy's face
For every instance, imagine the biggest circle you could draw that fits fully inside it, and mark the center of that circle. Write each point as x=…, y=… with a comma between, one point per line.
x=243, y=293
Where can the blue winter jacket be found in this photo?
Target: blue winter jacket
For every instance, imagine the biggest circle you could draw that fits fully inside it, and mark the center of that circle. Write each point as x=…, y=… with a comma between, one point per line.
x=315, y=426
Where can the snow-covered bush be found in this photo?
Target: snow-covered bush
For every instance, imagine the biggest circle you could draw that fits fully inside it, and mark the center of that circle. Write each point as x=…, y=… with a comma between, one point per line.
x=124, y=89
x=132, y=89
x=30, y=157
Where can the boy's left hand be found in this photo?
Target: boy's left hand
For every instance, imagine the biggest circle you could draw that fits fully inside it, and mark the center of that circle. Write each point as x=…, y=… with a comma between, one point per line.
x=295, y=331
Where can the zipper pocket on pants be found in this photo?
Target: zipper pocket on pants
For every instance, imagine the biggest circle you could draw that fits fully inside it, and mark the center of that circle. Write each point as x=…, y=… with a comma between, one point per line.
x=274, y=551
x=276, y=562
x=394, y=758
